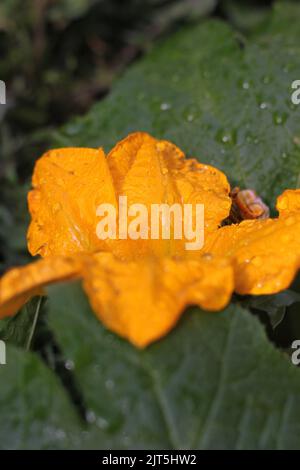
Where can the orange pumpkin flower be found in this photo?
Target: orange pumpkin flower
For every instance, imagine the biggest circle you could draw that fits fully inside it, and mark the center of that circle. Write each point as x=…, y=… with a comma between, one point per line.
x=139, y=288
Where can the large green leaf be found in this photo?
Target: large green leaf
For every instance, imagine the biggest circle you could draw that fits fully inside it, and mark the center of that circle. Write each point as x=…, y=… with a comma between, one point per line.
x=20, y=330
x=225, y=104
x=214, y=382
x=34, y=410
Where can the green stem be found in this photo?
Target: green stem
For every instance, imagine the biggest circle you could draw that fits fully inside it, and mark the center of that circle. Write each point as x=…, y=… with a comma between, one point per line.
x=36, y=315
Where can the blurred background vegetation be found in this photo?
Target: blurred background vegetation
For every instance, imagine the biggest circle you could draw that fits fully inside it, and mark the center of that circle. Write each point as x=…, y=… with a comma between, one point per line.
x=59, y=56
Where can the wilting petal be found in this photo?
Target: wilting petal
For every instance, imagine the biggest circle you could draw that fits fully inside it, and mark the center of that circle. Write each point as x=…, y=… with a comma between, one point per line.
x=69, y=184
x=18, y=285
x=142, y=300
x=265, y=253
x=151, y=171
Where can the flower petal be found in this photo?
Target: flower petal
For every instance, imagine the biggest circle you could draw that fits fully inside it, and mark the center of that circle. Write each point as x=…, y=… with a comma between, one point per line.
x=69, y=184
x=151, y=171
x=289, y=201
x=18, y=285
x=142, y=300
x=265, y=253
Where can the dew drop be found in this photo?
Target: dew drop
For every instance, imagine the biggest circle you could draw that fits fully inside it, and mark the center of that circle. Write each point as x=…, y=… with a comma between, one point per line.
x=90, y=416
x=126, y=440
x=109, y=384
x=165, y=106
x=263, y=105
x=207, y=256
x=246, y=85
x=226, y=136
x=69, y=364
x=296, y=140
x=60, y=434
x=102, y=423
x=279, y=118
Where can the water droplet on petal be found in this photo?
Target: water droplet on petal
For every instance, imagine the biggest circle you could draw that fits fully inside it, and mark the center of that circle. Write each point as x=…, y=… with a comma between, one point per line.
x=207, y=256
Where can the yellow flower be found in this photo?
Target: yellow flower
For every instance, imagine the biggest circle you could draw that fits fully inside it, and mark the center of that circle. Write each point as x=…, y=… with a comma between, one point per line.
x=139, y=288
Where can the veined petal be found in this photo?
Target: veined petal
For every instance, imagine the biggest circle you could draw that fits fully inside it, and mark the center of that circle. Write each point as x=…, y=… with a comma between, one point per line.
x=18, y=285
x=265, y=253
x=68, y=186
x=142, y=300
x=151, y=171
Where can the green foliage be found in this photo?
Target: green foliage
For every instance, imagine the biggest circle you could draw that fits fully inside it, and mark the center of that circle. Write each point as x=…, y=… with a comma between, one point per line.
x=227, y=105
x=247, y=15
x=211, y=383
x=274, y=305
x=19, y=330
x=35, y=411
